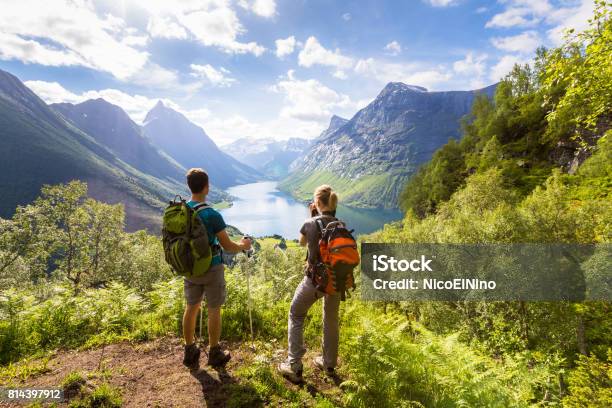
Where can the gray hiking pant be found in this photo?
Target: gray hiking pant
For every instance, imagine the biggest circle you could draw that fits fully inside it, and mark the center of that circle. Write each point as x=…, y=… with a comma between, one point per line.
x=305, y=296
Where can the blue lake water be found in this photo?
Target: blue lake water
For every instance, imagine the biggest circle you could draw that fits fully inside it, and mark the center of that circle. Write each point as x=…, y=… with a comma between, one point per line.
x=260, y=209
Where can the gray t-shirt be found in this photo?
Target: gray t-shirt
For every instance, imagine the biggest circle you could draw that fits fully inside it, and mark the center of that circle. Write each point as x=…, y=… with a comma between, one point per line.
x=312, y=233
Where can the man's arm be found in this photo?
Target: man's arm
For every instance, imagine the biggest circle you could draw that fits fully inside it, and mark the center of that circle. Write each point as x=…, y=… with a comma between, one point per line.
x=302, y=240
x=231, y=246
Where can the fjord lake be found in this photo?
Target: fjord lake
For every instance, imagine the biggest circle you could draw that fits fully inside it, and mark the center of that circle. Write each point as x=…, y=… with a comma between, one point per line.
x=260, y=209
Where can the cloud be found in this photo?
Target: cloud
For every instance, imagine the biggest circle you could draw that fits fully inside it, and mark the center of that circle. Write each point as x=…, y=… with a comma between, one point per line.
x=441, y=3
x=528, y=13
x=70, y=33
x=309, y=100
x=393, y=48
x=347, y=16
x=471, y=65
x=164, y=27
x=481, y=10
x=569, y=17
x=504, y=66
x=340, y=74
x=473, y=69
x=314, y=53
x=215, y=77
x=213, y=23
x=525, y=43
x=263, y=8
x=514, y=17
x=295, y=122
x=136, y=106
x=285, y=47
x=409, y=73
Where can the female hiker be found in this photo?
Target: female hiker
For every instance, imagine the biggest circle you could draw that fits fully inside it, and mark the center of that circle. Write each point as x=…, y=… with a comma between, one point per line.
x=323, y=208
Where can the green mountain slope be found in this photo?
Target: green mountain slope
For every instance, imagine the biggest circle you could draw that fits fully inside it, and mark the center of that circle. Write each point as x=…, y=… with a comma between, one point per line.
x=369, y=158
x=40, y=147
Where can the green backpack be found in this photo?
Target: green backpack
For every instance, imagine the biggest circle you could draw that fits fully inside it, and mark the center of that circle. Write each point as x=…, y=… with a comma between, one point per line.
x=186, y=243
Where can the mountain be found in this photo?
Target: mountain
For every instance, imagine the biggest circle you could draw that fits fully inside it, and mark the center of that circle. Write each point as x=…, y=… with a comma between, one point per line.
x=369, y=158
x=39, y=146
x=190, y=146
x=113, y=128
x=271, y=157
x=335, y=123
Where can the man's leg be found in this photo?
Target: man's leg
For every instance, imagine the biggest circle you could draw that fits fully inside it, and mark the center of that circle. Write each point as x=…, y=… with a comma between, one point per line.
x=214, y=325
x=214, y=287
x=193, y=297
x=189, y=322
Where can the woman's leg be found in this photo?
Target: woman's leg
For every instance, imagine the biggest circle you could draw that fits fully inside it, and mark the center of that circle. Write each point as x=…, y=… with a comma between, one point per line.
x=331, y=330
x=304, y=297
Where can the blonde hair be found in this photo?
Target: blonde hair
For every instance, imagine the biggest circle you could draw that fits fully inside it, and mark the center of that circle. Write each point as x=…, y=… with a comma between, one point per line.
x=326, y=196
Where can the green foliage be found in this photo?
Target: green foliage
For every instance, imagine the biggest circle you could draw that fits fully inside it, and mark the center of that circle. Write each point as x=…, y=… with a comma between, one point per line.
x=104, y=396
x=590, y=384
x=81, y=239
x=540, y=117
x=578, y=78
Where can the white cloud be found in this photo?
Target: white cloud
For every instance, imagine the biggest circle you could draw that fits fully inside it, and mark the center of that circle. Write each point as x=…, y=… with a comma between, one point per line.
x=213, y=23
x=309, y=100
x=136, y=106
x=504, y=66
x=525, y=43
x=409, y=73
x=569, y=17
x=347, y=16
x=164, y=27
x=514, y=17
x=70, y=33
x=314, y=53
x=481, y=10
x=215, y=77
x=340, y=74
x=393, y=48
x=442, y=3
x=527, y=13
x=285, y=46
x=471, y=65
x=219, y=26
x=472, y=69
x=263, y=8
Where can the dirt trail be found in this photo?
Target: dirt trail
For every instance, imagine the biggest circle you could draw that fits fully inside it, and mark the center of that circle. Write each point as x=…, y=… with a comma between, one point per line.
x=151, y=374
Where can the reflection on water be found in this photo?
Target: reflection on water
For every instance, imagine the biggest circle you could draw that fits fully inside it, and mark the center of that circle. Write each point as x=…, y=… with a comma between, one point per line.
x=260, y=209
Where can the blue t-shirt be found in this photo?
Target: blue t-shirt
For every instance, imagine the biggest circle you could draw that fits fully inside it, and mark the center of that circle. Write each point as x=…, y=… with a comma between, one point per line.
x=214, y=224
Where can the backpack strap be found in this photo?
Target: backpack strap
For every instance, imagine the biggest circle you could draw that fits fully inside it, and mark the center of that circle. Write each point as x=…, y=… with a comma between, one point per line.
x=320, y=225
x=200, y=206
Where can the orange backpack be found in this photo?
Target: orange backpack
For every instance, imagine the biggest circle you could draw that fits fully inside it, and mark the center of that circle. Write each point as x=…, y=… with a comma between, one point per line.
x=338, y=256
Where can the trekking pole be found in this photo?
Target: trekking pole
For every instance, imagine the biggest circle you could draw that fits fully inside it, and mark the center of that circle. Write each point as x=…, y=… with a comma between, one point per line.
x=200, y=335
x=248, y=254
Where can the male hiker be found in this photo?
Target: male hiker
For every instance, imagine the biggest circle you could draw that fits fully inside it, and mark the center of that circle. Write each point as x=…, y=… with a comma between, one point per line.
x=211, y=284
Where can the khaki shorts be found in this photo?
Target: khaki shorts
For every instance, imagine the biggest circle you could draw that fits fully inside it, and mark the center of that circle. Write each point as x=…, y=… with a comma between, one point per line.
x=211, y=286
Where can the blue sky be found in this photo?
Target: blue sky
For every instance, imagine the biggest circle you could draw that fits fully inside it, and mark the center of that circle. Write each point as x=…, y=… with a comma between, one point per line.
x=269, y=68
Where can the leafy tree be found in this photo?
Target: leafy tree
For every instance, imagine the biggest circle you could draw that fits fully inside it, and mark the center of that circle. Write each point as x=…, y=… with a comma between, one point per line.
x=578, y=76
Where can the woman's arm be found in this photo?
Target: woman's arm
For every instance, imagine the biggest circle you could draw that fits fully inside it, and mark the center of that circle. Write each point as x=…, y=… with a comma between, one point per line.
x=302, y=240
x=231, y=246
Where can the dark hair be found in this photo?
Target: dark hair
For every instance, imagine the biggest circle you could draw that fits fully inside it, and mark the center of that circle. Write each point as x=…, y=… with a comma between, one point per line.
x=197, y=180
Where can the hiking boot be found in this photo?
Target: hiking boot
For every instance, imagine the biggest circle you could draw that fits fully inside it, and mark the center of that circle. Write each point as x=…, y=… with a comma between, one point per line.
x=191, y=359
x=218, y=357
x=292, y=372
x=320, y=364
